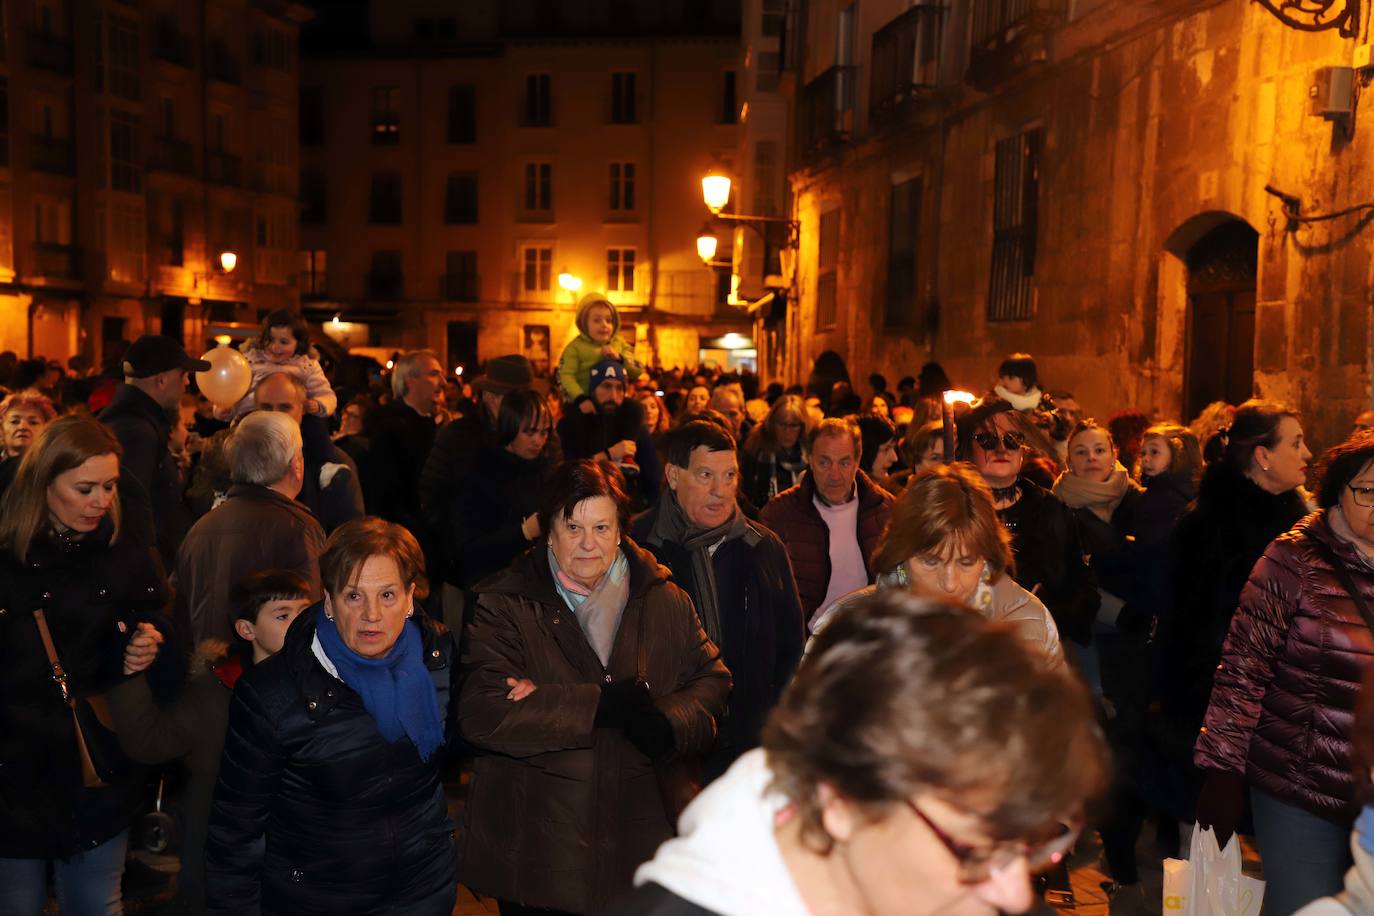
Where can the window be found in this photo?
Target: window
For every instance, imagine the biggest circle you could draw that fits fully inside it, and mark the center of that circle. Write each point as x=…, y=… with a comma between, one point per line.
x=4, y=120
x=537, y=111
x=537, y=265
x=386, y=115
x=620, y=270
x=771, y=18
x=462, y=114
x=272, y=48
x=314, y=202
x=384, y=280
x=538, y=186
x=623, y=98
x=460, y=276
x=384, y=203
x=124, y=59
x=770, y=65
x=903, y=233
x=1016, y=193
x=729, y=103
x=126, y=172
x=826, y=269
x=622, y=186
x=314, y=274
x=460, y=200
x=905, y=60
x=176, y=234
x=766, y=178
x=312, y=115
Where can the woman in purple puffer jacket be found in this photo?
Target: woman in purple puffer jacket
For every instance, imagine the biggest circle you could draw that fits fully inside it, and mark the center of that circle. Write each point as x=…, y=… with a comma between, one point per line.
x=1284, y=695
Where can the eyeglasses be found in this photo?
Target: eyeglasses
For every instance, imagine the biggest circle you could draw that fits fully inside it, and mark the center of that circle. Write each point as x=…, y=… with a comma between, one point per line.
x=1363, y=496
x=1011, y=441
x=978, y=863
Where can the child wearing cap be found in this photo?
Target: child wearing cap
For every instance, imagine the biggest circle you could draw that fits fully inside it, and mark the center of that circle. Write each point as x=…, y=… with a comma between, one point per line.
x=599, y=339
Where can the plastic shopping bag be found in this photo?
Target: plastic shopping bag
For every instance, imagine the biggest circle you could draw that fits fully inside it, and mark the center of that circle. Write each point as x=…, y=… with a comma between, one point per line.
x=1178, y=881
x=1251, y=896
x=1215, y=886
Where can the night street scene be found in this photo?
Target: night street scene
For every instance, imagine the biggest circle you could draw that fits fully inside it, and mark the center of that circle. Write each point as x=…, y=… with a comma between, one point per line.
x=686, y=457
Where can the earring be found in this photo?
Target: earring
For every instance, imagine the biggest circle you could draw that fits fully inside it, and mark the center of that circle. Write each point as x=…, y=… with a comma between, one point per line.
x=1265, y=467
x=410, y=613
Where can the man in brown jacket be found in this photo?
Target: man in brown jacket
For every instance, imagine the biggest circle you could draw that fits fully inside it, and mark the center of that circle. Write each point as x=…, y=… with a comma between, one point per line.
x=259, y=526
x=832, y=520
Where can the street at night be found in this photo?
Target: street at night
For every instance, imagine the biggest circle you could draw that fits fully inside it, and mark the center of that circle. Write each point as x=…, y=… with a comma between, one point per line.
x=686, y=457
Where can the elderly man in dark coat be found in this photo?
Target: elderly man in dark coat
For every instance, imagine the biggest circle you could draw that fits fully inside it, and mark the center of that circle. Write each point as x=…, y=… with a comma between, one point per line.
x=259, y=526
x=737, y=574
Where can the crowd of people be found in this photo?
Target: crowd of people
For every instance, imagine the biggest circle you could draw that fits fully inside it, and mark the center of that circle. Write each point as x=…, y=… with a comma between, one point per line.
x=699, y=643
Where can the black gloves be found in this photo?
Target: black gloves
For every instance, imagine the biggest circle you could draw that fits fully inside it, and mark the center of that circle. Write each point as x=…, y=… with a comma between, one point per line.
x=629, y=706
x=1221, y=804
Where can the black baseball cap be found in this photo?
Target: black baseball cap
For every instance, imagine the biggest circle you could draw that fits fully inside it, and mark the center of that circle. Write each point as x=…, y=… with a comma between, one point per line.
x=154, y=353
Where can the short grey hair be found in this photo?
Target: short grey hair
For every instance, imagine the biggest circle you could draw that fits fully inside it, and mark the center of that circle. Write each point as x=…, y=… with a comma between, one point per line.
x=293, y=380
x=407, y=368
x=262, y=447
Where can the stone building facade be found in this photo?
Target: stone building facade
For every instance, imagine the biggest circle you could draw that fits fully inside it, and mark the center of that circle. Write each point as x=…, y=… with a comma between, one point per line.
x=459, y=159
x=137, y=143
x=1085, y=180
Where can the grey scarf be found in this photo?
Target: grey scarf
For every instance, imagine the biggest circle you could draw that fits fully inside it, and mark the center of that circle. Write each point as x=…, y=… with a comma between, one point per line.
x=598, y=610
x=673, y=526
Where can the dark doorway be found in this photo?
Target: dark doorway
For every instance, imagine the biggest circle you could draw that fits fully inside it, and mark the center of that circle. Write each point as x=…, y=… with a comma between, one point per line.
x=1222, y=267
x=462, y=344
x=173, y=318
x=112, y=339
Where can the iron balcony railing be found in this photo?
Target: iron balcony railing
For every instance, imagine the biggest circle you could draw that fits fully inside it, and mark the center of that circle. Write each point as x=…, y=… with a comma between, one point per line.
x=905, y=60
x=827, y=110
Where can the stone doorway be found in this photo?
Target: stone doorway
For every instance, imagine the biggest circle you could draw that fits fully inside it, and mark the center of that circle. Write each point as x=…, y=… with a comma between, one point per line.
x=1222, y=267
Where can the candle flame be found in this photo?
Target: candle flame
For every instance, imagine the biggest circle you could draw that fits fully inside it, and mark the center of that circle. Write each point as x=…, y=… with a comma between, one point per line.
x=960, y=397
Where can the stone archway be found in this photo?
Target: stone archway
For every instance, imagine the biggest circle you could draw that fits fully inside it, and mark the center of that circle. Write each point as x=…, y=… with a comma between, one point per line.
x=1222, y=266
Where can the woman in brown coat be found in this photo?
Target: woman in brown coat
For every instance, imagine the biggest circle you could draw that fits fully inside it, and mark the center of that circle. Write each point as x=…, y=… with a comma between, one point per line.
x=591, y=686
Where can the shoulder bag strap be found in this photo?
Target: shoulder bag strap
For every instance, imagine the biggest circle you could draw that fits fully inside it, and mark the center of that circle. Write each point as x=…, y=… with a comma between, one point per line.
x=59, y=675
x=1348, y=583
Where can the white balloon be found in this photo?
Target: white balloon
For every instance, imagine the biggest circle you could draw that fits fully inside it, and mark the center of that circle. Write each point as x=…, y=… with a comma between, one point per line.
x=228, y=379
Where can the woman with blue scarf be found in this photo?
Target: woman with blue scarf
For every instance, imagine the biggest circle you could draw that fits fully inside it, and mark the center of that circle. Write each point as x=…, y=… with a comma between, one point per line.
x=329, y=798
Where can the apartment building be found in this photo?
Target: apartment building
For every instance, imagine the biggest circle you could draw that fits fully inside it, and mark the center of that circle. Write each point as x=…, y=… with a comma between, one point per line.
x=1101, y=184
x=145, y=148
x=459, y=159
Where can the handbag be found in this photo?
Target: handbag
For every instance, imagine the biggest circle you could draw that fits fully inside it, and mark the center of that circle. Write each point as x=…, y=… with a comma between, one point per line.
x=96, y=743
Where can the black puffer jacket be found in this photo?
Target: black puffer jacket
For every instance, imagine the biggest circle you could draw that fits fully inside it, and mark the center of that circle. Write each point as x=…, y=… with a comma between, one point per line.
x=93, y=594
x=314, y=812
x=484, y=512
x=1049, y=560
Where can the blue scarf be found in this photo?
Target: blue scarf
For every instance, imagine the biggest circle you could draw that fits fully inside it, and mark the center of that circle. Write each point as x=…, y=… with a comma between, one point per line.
x=1364, y=828
x=396, y=688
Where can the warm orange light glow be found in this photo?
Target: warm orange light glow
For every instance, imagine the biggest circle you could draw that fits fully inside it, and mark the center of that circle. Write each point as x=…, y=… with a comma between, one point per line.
x=223, y=340
x=228, y=260
x=571, y=282
x=715, y=190
x=706, y=246
x=960, y=397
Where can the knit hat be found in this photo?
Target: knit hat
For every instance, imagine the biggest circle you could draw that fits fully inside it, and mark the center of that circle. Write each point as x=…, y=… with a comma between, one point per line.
x=505, y=374
x=608, y=370
x=589, y=300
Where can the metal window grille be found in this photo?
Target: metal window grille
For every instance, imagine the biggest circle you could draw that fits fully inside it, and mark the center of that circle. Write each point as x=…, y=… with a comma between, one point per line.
x=826, y=269
x=1016, y=192
x=903, y=235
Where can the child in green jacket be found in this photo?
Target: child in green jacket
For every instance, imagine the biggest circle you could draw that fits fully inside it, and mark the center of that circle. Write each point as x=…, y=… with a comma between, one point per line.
x=600, y=338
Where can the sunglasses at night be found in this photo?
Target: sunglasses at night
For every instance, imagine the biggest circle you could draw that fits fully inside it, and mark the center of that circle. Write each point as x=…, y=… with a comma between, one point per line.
x=1011, y=441
x=978, y=863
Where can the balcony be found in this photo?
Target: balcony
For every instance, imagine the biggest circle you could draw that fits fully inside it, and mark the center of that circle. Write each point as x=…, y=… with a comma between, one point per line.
x=459, y=287
x=827, y=110
x=52, y=155
x=50, y=52
x=55, y=261
x=222, y=168
x=906, y=62
x=385, y=286
x=172, y=155
x=223, y=65
x=1010, y=35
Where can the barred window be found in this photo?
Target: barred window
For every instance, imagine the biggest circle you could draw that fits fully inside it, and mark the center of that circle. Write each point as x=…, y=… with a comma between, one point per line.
x=827, y=269
x=1016, y=192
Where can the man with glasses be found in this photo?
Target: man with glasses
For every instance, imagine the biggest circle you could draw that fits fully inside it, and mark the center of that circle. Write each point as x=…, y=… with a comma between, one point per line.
x=832, y=520
x=922, y=762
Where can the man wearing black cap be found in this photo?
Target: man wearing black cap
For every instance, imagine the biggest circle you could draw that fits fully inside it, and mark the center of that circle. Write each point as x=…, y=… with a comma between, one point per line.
x=155, y=374
x=614, y=433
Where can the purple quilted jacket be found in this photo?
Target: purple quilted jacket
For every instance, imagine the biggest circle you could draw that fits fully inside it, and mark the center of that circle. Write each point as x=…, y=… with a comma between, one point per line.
x=1284, y=696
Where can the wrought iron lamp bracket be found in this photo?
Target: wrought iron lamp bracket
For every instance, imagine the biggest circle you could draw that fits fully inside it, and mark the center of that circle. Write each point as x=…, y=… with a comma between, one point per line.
x=1317, y=15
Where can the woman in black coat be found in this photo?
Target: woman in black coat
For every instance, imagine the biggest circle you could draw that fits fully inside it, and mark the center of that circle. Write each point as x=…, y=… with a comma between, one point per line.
x=329, y=799
x=1245, y=500
x=101, y=596
x=491, y=513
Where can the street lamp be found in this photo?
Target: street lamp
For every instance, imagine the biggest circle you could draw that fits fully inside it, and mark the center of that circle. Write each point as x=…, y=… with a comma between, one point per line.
x=571, y=282
x=228, y=260
x=715, y=190
x=707, y=242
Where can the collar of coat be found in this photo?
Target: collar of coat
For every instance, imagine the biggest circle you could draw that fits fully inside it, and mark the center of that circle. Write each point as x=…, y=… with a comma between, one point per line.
x=529, y=575
x=869, y=494
x=319, y=688
x=129, y=400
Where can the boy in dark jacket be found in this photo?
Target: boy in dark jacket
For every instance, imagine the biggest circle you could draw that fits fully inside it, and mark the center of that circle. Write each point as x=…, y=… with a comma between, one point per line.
x=194, y=725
